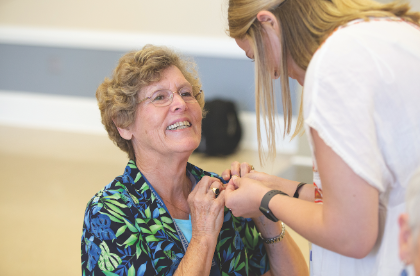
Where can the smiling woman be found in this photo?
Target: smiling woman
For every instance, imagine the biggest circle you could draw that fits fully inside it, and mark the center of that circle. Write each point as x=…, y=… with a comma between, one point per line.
x=156, y=129
x=162, y=216
x=118, y=97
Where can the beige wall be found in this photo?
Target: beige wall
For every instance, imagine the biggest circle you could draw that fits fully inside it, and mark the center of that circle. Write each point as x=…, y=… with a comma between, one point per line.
x=415, y=4
x=179, y=17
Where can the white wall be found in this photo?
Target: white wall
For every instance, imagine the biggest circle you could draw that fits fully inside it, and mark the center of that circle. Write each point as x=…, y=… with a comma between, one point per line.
x=81, y=115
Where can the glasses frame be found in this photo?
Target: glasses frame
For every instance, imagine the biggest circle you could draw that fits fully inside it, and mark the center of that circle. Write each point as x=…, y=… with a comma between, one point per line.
x=172, y=96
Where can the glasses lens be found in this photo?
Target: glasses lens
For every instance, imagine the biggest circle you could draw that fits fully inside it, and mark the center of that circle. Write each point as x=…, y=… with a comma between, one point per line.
x=187, y=94
x=161, y=97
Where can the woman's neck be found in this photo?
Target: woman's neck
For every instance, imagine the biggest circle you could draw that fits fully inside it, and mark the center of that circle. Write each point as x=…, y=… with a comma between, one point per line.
x=168, y=177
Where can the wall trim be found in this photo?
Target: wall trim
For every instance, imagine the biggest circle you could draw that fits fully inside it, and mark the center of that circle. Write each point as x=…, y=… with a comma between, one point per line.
x=223, y=47
x=81, y=115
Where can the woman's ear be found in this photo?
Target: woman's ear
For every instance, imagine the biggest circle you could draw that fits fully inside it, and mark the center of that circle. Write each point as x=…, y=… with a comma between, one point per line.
x=268, y=20
x=125, y=133
x=405, y=240
x=271, y=37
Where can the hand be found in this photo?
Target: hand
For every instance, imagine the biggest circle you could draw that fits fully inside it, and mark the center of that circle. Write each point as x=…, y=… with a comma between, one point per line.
x=236, y=168
x=206, y=210
x=243, y=196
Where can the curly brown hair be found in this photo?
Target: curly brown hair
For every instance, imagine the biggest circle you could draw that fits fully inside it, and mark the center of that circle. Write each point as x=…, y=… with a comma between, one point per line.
x=118, y=96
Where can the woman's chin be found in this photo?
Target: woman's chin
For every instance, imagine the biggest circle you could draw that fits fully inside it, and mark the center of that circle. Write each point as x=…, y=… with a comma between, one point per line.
x=186, y=147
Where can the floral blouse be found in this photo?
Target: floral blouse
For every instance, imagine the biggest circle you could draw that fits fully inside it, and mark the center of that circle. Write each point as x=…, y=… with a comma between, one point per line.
x=127, y=230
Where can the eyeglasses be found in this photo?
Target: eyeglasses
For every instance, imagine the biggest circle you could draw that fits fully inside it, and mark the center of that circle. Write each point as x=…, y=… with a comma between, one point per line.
x=165, y=97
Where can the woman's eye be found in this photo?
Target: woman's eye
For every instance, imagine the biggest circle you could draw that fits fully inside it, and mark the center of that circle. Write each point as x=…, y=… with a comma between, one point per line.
x=186, y=94
x=158, y=97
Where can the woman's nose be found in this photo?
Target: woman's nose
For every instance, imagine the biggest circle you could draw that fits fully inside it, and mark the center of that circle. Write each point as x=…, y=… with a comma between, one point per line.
x=177, y=101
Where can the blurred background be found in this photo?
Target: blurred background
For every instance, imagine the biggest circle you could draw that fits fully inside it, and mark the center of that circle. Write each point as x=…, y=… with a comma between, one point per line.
x=54, y=152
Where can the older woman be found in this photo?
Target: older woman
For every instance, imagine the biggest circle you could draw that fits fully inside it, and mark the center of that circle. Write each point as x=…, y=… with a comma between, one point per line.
x=410, y=226
x=162, y=216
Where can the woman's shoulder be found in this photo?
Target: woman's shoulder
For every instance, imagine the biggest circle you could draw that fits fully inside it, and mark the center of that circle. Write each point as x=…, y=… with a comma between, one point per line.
x=371, y=35
x=122, y=194
x=113, y=190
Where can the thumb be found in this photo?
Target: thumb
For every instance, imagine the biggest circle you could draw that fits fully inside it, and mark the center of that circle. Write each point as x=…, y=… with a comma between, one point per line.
x=230, y=187
x=235, y=180
x=221, y=197
x=228, y=192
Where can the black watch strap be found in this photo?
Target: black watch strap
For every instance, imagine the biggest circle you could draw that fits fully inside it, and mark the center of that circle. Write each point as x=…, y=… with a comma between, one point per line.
x=296, y=195
x=264, y=204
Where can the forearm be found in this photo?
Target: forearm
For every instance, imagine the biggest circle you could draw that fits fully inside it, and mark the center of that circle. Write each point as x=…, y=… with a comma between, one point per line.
x=198, y=258
x=285, y=257
x=306, y=192
x=326, y=226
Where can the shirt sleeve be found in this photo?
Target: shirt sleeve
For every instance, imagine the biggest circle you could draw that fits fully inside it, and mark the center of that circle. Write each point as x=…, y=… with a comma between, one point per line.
x=111, y=242
x=243, y=235
x=258, y=258
x=341, y=86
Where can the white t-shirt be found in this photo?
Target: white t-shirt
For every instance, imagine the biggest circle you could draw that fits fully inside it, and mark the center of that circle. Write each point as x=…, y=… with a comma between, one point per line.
x=362, y=95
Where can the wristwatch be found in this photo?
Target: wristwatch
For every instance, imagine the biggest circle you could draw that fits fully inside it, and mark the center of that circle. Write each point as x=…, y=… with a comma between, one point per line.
x=264, y=204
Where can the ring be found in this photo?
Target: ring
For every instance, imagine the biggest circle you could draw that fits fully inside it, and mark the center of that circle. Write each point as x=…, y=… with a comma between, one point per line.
x=216, y=191
x=252, y=168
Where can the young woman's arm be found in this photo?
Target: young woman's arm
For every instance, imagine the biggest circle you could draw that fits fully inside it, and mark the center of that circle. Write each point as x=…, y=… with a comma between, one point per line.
x=347, y=221
x=306, y=192
x=285, y=256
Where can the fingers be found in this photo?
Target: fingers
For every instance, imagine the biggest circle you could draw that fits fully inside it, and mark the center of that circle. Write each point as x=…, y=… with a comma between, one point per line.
x=227, y=193
x=245, y=169
x=206, y=182
x=236, y=168
x=235, y=180
x=226, y=174
x=216, y=184
x=216, y=188
x=220, y=200
x=230, y=187
x=240, y=169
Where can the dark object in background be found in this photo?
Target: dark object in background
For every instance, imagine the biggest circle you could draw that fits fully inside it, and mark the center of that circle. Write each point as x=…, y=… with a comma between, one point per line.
x=221, y=129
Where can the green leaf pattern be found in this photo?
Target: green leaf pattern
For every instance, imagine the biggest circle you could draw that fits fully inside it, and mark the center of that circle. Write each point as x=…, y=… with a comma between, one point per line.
x=139, y=238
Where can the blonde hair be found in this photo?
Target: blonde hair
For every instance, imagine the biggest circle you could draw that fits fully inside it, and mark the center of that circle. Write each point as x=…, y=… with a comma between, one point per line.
x=118, y=96
x=304, y=25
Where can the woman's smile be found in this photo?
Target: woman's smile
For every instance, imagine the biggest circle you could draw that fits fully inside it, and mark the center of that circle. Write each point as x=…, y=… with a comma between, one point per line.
x=179, y=125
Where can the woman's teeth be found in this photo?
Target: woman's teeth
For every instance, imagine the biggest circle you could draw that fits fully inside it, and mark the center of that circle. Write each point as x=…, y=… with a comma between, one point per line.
x=179, y=125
